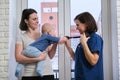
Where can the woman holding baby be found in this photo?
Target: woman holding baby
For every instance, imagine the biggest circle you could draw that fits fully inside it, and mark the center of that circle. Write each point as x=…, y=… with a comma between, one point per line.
x=29, y=24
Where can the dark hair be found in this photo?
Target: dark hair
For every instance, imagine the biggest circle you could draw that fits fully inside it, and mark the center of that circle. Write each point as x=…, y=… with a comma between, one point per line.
x=87, y=19
x=25, y=15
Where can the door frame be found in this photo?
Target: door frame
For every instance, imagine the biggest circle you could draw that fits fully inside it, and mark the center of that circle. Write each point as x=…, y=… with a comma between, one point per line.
x=64, y=20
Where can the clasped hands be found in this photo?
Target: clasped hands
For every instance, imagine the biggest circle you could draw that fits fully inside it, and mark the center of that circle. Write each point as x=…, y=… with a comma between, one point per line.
x=83, y=39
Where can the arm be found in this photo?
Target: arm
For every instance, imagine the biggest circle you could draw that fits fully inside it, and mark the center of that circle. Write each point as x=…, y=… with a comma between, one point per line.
x=54, y=39
x=23, y=59
x=52, y=50
x=71, y=52
x=92, y=58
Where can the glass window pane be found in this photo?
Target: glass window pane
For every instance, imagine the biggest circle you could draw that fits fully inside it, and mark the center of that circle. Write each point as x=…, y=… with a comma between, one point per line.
x=77, y=7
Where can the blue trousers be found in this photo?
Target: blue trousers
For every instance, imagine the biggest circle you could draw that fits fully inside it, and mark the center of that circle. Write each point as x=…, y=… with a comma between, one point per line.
x=31, y=52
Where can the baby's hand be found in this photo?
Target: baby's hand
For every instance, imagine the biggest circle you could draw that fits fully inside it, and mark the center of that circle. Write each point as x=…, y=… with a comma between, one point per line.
x=63, y=40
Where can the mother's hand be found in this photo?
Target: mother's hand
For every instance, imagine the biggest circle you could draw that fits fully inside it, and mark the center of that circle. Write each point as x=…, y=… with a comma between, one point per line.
x=23, y=59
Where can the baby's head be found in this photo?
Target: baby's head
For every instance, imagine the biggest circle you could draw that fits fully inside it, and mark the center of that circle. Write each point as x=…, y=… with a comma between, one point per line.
x=48, y=29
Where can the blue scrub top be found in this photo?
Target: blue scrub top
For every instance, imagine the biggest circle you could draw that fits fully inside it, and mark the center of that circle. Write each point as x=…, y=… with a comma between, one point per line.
x=83, y=70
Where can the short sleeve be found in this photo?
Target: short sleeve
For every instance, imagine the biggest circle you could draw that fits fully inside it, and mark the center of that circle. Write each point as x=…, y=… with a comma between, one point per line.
x=19, y=39
x=95, y=44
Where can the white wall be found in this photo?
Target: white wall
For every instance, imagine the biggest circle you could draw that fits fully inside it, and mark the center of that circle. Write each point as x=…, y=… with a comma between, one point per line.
x=4, y=36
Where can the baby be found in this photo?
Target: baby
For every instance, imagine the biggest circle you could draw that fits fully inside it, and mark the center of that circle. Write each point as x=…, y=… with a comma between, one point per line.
x=36, y=48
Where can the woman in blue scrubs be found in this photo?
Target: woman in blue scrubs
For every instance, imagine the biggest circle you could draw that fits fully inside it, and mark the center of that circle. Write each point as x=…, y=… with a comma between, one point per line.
x=89, y=52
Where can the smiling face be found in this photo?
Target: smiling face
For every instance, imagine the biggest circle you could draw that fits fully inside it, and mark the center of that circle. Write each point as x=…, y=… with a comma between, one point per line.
x=32, y=22
x=86, y=23
x=80, y=26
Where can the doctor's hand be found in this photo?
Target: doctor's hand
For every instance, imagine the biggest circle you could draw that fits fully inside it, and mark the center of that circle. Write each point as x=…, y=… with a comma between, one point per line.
x=83, y=38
